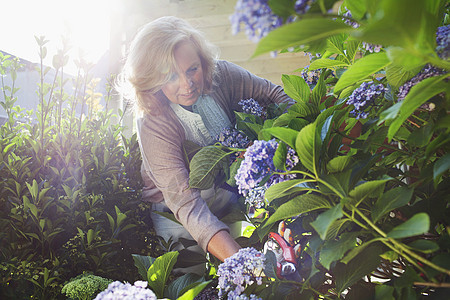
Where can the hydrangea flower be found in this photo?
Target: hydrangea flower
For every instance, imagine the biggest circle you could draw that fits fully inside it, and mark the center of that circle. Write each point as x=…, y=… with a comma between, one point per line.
x=426, y=72
x=258, y=18
x=310, y=77
x=244, y=297
x=252, y=107
x=443, y=41
x=232, y=138
x=364, y=96
x=125, y=291
x=257, y=166
x=239, y=270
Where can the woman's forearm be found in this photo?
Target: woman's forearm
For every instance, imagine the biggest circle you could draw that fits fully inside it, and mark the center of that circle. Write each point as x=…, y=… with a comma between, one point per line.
x=222, y=245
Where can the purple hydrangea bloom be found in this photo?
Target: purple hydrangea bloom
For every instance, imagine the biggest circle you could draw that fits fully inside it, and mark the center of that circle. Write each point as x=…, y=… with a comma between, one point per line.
x=236, y=272
x=364, y=96
x=233, y=138
x=348, y=14
x=443, y=41
x=252, y=107
x=426, y=72
x=371, y=47
x=124, y=291
x=258, y=18
x=257, y=166
x=311, y=77
x=244, y=297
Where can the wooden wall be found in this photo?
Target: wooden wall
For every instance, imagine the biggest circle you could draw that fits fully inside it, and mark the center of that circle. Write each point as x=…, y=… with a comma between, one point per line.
x=212, y=18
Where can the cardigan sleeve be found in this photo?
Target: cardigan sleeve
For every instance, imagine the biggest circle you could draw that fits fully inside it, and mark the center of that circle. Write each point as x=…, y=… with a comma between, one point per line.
x=161, y=146
x=236, y=83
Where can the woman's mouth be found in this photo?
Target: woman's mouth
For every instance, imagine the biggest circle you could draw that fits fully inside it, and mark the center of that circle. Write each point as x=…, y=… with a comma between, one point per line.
x=188, y=94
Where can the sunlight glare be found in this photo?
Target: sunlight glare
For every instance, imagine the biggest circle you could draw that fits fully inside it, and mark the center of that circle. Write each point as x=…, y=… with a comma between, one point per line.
x=85, y=23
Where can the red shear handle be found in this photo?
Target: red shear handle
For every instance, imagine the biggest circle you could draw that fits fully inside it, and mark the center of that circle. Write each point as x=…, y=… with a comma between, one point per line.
x=288, y=251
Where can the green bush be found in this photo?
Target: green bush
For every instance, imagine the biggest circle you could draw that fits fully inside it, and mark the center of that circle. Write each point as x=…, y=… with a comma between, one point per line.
x=369, y=202
x=70, y=187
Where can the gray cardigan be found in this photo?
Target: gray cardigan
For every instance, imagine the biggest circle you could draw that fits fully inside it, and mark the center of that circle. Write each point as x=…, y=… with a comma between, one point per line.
x=161, y=137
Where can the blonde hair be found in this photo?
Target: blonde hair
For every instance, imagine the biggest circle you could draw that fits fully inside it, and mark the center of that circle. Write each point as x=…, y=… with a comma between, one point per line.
x=150, y=61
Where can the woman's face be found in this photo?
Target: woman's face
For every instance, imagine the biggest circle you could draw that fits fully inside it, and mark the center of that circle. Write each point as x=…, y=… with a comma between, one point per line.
x=186, y=85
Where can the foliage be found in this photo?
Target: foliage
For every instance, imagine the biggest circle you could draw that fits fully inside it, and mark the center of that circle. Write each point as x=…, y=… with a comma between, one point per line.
x=157, y=271
x=69, y=185
x=85, y=286
x=369, y=198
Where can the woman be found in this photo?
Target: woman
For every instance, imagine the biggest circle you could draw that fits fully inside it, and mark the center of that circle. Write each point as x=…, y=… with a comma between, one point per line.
x=184, y=93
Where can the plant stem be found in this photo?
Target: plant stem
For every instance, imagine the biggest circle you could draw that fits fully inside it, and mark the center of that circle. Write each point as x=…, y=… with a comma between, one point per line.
x=400, y=245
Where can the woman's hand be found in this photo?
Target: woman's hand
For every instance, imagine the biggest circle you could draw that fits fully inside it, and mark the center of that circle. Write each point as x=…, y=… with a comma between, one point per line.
x=222, y=245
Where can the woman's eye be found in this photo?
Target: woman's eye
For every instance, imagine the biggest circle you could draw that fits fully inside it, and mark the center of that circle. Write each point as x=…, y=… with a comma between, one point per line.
x=192, y=70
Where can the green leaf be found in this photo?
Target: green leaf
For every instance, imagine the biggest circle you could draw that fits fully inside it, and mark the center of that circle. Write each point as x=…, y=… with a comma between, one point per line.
x=362, y=69
x=333, y=250
x=270, y=265
x=302, y=32
x=298, y=205
x=233, y=171
x=285, y=188
x=384, y=292
x=286, y=135
x=362, y=265
x=319, y=91
x=371, y=189
x=34, y=189
x=418, y=95
x=396, y=75
x=339, y=164
x=441, y=166
x=295, y=87
x=90, y=236
x=205, y=166
x=190, y=294
x=279, y=158
x=418, y=224
x=182, y=284
x=391, y=200
x=337, y=183
x=392, y=26
x=326, y=63
x=142, y=263
x=307, y=146
x=357, y=7
x=120, y=216
x=305, y=110
x=325, y=219
x=159, y=272
x=425, y=246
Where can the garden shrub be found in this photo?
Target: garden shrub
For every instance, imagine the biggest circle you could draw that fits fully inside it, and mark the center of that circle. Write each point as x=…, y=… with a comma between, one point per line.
x=368, y=200
x=70, y=187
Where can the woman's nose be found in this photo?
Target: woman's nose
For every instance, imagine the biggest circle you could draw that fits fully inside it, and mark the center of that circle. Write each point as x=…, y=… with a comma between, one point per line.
x=187, y=82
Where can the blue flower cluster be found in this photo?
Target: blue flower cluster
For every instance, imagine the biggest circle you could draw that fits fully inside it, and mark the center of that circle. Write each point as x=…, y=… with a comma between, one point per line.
x=258, y=18
x=257, y=166
x=443, y=41
x=348, y=14
x=427, y=72
x=371, y=47
x=124, y=291
x=311, y=77
x=245, y=297
x=233, y=138
x=241, y=269
x=252, y=107
x=364, y=96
